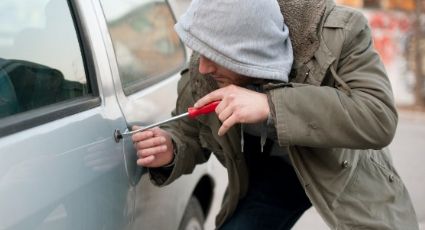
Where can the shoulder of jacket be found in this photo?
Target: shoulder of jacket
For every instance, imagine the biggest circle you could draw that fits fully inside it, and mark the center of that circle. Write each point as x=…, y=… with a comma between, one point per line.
x=184, y=81
x=345, y=17
x=341, y=26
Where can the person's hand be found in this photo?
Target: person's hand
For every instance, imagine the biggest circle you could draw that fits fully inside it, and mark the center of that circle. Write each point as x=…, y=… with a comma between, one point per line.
x=154, y=147
x=238, y=105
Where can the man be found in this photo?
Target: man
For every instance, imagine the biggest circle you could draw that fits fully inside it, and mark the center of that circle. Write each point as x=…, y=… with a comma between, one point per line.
x=327, y=128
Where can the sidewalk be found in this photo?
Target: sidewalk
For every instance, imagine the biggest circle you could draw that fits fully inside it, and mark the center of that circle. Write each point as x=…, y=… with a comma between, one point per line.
x=411, y=114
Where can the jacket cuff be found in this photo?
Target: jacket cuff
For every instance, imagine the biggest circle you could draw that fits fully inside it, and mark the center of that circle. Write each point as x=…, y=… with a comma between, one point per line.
x=159, y=176
x=165, y=175
x=277, y=111
x=271, y=119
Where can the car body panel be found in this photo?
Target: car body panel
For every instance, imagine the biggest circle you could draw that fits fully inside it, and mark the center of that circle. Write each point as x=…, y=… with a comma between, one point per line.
x=67, y=171
x=142, y=108
x=55, y=175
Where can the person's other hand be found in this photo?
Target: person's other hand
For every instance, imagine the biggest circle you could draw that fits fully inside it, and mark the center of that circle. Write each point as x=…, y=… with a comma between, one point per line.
x=154, y=147
x=238, y=105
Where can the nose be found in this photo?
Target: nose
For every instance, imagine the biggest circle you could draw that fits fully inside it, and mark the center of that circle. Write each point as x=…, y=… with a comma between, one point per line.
x=206, y=66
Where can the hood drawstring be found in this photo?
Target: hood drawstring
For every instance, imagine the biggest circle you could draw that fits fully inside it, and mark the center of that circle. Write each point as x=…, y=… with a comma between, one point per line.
x=242, y=139
x=263, y=130
x=263, y=135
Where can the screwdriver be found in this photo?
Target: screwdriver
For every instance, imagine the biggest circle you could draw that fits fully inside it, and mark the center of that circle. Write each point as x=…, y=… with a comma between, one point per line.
x=191, y=113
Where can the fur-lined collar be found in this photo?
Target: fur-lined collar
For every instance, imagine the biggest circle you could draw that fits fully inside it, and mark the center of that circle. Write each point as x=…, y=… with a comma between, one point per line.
x=303, y=17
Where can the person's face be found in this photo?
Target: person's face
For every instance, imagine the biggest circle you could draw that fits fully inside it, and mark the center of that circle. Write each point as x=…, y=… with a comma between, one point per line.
x=221, y=75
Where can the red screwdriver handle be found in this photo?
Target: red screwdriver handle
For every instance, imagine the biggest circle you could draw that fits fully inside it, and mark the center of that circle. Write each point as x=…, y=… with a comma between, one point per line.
x=208, y=108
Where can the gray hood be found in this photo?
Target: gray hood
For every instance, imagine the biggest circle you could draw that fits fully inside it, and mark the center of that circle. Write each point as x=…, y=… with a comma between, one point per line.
x=247, y=37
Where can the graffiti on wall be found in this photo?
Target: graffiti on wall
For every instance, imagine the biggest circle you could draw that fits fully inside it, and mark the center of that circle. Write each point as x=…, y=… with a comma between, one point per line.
x=391, y=32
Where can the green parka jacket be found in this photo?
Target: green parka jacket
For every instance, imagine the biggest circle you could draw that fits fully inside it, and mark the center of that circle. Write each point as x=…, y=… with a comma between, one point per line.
x=336, y=116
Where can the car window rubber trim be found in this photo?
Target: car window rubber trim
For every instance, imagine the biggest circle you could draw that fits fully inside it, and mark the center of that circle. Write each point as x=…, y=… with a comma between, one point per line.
x=32, y=118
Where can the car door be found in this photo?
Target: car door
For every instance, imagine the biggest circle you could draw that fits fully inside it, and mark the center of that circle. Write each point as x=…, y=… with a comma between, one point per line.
x=60, y=166
x=149, y=56
x=146, y=57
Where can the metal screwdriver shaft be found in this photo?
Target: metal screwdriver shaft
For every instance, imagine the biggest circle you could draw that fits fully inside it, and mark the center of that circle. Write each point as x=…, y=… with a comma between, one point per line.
x=157, y=124
x=192, y=113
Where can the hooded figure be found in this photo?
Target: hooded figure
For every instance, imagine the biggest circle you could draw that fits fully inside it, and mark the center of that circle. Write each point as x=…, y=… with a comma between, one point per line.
x=247, y=37
x=333, y=119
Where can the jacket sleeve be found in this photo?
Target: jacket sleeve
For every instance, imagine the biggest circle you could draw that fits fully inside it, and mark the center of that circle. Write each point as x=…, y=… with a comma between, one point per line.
x=327, y=117
x=184, y=133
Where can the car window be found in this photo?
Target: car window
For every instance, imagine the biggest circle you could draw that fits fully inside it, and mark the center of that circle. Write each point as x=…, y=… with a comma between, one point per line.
x=146, y=46
x=40, y=57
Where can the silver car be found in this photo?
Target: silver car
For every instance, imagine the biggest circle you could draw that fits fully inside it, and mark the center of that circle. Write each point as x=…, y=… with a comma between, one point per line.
x=71, y=73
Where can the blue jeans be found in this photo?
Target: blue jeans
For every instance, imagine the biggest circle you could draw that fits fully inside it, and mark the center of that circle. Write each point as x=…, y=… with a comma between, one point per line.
x=275, y=198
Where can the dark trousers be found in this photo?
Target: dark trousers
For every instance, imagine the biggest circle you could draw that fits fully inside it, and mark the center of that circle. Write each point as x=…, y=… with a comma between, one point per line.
x=275, y=198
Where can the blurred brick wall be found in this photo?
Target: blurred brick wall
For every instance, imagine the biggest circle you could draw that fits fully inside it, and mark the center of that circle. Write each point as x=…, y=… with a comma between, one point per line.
x=393, y=29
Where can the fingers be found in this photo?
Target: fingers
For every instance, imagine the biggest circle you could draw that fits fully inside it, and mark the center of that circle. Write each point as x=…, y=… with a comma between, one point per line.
x=238, y=105
x=145, y=152
x=224, y=111
x=146, y=161
x=227, y=124
x=154, y=147
x=150, y=142
x=216, y=95
x=141, y=136
x=229, y=115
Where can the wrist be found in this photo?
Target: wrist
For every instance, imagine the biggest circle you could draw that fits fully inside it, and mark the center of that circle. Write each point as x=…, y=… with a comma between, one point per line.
x=173, y=160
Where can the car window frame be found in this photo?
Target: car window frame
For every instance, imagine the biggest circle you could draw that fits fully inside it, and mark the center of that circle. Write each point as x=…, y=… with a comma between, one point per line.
x=139, y=86
x=32, y=118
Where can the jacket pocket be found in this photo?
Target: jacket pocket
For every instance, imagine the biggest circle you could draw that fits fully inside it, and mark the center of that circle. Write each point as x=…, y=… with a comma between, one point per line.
x=369, y=197
x=386, y=167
